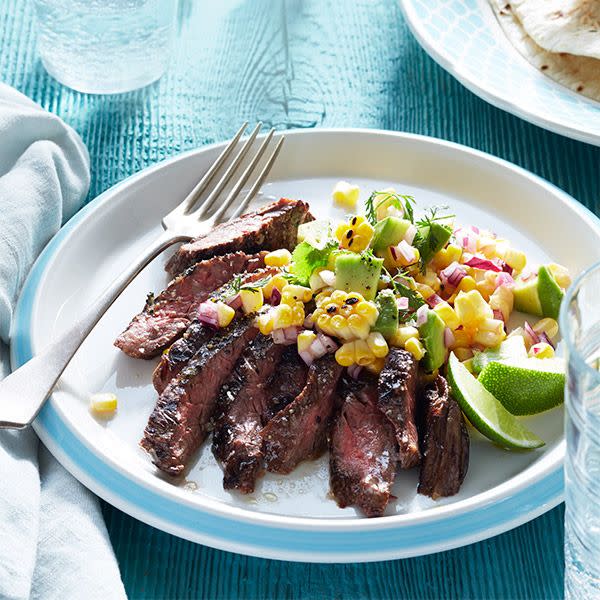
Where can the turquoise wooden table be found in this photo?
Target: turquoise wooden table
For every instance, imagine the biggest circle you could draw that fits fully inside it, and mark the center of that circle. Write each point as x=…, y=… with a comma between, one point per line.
x=303, y=63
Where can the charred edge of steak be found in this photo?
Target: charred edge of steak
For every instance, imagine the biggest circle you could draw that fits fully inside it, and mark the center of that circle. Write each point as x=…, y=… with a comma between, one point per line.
x=362, y=451
x=397, y=388
x=242, y=401
x=180, y=420
x=299, y=431
x=270, y=227
x=196, y=335
x=166, y=316
x=445, y=443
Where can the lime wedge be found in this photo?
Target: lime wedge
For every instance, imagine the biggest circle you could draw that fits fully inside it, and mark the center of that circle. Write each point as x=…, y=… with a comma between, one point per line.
x=511, y=348
x=486, y=413
x=527, y=386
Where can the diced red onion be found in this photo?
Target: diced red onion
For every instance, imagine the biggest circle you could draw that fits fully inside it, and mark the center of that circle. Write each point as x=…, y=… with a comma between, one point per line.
x=394, y=252
x=286, y=336
x=278, y=336
x=328, y=277
x=317, y=349
x=449, y=338
x=406, y=251
x=505, y=267
x=402, y=303
x=235, y=302
x=308, y=323
x=307, y=357
x=482, y=263
x=275, y=297
x=544, y=338
x=411, y=232
x=467, y=238
x=207, y=314
x=531, y=333
x=434, y=300
x=354, y=371
x=527, y=275
x=474, y=229
x=453, y=274
x=504, y=279
x=422, y=314
x=498, y=315
x=329, y=343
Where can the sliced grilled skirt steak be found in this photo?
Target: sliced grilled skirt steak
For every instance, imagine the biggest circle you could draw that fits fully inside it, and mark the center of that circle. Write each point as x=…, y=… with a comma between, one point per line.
x=299, y=431
x=196, y=335
x=243, y=400
x=270, y=227
x=445, y=442
x=397, y=401
x=362, y=451
x=181, y=418
x=166, y=316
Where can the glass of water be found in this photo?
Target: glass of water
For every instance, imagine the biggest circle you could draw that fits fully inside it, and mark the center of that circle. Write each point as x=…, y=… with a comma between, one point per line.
x=105, y=46
x=580, y=325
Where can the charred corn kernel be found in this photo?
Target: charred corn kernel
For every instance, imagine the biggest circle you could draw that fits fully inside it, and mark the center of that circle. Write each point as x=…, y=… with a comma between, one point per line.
x=467, y=284
x=376, y=366
x=298, y=314
x=252, y=300
x=355, y=235
x=225, y=314
x=362, y=353
x=277, y=281
x=403, y=334
x=295, y=293
x=463, y=354
x=339, y=297
x=547, y=326
x=265, y=322
x=345, y=194
x=430, y=279
x=340, y=327
x=470, y=307
x=447, y=314
x=278, y=258
x=305, y=339
x=446, y=256
x=344, y=355
x=503, y=299
x=322, y=297
x=377, y=345
x=541, y=350
x=316, y=314
x=415, y=347
x=359, y=326
x=283, y=316
x=104, y=404
x=353, y=298
x=424, y=290
x=463, y=338
x=323, y=323
x=561, y=275
x=514, y=258
x=368, y=310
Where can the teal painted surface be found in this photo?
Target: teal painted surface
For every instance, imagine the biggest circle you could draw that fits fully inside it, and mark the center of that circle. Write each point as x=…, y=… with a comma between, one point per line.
x=303, y=64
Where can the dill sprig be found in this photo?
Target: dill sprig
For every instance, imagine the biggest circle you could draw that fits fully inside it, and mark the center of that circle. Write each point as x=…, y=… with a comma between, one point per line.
x=402, y=202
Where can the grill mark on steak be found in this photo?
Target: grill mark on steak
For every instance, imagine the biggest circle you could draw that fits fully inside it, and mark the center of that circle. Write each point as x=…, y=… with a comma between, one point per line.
x=243, y=400
x=397, y=401
x=362, y=451
x=445, y=443
x=197, y=334
x=167, y=316
x=270, y=227
x=180, y=420
x=299, y=431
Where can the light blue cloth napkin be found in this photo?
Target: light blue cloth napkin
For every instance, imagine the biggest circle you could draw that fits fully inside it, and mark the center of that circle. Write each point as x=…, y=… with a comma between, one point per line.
x=53, y=541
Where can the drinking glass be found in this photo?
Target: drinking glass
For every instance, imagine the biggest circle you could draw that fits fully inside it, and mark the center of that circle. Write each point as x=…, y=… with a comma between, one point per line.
x=105, y=46
x=580, y=326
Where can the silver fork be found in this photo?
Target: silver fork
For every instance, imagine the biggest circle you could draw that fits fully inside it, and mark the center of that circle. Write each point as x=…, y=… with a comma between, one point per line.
x=24, y=391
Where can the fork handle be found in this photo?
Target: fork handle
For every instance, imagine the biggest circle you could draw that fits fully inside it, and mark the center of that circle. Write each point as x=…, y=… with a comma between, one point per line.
x=24, y=391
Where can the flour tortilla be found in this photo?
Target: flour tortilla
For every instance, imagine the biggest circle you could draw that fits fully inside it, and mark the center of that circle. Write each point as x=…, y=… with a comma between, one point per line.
x=571, y=26
x=578, y=73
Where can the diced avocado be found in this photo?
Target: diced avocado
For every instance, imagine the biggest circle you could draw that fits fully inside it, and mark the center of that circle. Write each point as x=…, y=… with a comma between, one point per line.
x=389, y=232
x=358, y=273
x=549, y=292
x=316, y=233
x=387, y=321
x=539, y=296
x=432, y=336
x=512, y=348
x=431, y=238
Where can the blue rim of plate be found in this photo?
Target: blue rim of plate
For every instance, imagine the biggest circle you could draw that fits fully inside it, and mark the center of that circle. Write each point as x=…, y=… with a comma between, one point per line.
x=447, y=28
x=263, y=535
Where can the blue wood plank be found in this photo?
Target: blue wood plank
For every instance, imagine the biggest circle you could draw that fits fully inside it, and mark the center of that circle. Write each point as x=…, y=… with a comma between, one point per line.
x=293, y=63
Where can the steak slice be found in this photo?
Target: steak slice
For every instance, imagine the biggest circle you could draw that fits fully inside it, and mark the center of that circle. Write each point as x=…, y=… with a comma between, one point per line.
x=445, y=443
x=397, y=389
x=180, y=420
x=166, y=316
x=242, y=402
x=299, y=431
x=362, y=451
x=194, y=338
x=270, y=227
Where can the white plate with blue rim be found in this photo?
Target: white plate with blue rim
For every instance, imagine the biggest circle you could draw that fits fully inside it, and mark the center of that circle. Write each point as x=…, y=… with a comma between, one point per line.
x=291, y=517
x=466, y=39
